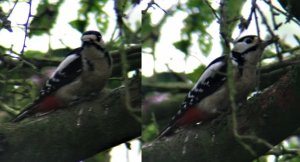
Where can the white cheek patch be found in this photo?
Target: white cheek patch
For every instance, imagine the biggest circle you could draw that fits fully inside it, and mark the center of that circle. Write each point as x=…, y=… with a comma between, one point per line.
x=240, y=47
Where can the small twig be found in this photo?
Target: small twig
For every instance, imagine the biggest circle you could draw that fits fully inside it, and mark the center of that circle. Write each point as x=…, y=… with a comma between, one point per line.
x=282, y=12
x=213, y=10
x=20, y=58
x=151, y=4
x=8, y=109
x=291, y=50
x=257, y=87
x=26, y=25
x=264, y=19
x=257, y=24
x=245, y=24
x=273, y=14
x=113, y=34
x=223, y=30
x=160, y=8
x=12, y=9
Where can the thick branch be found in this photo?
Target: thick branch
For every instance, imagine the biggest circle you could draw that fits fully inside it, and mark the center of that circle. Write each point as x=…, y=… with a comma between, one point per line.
x=272, y=116
x=73, y=133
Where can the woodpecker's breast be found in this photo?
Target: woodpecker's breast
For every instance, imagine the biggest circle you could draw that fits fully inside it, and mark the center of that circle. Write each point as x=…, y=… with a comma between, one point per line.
x=96, y=71
x=246, y=83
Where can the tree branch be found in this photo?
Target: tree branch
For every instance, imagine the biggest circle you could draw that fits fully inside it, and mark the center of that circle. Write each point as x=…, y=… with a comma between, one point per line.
x=73, y=133
x=272, y=116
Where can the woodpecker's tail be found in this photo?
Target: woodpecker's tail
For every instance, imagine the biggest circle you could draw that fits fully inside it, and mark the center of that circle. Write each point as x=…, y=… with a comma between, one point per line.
x=24, y=113
x=169, y=130
x=165, y=132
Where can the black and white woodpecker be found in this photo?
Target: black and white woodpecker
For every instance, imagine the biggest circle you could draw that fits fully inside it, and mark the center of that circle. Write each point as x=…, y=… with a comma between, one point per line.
x=211, y=94
x=85, y=70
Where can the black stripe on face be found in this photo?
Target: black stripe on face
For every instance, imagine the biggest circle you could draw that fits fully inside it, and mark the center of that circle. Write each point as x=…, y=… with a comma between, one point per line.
x=253, y=48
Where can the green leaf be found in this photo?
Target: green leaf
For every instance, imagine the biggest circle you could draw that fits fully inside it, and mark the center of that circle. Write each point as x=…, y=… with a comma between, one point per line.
x=183, y=45
x=98, y=14
x=194, y=76
x=197, y=22
x=79, y=25
x=45, y=18
x=149, y=132
x=205, y=44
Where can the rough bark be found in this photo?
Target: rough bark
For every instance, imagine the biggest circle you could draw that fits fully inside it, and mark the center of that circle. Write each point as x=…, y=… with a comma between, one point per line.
x=74, y=133
x=272, y=116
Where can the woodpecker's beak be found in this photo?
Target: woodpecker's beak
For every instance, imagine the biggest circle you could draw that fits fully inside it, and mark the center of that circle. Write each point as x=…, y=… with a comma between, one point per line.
x=264, y=44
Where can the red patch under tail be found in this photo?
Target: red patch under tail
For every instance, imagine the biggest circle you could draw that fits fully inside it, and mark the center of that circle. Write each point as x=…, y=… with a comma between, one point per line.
x=49, y=103
x=192, y=116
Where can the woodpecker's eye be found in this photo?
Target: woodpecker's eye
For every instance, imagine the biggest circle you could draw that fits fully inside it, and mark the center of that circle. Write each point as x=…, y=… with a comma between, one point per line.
x=248, y=40
x=99, y=38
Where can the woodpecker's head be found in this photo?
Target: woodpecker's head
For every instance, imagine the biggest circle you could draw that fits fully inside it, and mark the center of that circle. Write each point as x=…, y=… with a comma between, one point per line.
x=249, y=48
x=92, y=37
x=246, y=44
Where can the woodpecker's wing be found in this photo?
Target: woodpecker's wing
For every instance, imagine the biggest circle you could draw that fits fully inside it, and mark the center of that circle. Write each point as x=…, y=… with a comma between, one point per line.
x=68, y=70
x=210, y=81
x=213, y=77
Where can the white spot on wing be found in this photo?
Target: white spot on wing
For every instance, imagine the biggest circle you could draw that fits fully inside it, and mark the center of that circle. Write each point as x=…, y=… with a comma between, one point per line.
x=178, y=112
x=65, y=63
x=209, y=72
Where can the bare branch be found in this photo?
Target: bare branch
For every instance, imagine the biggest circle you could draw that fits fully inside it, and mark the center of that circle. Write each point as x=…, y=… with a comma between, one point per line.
x=26, y=25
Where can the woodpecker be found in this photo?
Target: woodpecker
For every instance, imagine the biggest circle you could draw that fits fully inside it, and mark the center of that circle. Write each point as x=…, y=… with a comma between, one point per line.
x=209, y=96
x=85, y=70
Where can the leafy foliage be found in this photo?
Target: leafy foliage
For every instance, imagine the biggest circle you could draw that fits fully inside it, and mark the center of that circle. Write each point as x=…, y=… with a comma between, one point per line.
x=45, y=18
x=194, y=76
x=197, y=22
